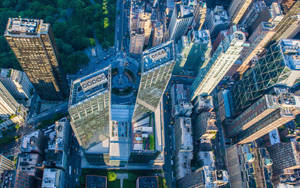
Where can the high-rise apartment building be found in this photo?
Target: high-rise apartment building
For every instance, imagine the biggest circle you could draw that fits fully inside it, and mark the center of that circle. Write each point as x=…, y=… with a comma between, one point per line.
x=137, y=40
x=200, y=11
x=237, y=9
x=205, y=127
x=258, y=40
x=227, y=52
x=8, y=104
x=181, y=20
x=33, y=44
x=89, y=107
x=144, y=22
x=193, y=51
x=266, y=114
x=5, y=164
x=16, y=179
x=157, y=66
x=17, y=83
x=278, y=66
x=255, y=10
x=217, y=20
x=289, y=25
x=158, y=34
x=249, y=166
x=285, y=156
x=140, y=26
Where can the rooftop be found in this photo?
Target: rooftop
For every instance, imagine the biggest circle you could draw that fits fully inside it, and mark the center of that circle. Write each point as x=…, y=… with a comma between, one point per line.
x=51, y=177
x=4, y=73
x=18, y=26
x=90, y=86
x=184, y=11
x=186, y=133
x=202, y=36
x=96, y=181
x=291, y=50
x=30, y=141
x=158, y=55
x=147, y=182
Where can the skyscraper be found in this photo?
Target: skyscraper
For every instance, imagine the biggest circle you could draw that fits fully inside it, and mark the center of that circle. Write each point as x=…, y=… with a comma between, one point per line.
x=217, y=20
x=266, y=114
x=258, y=40
x=158, y=34
x=181, y=20
x=249, y=166
x=280, y=65
x=289, y=25
x=140, y=26
x=227, y=52
x=5, y=164
x=17, y=83
x=157, y=67
x=193, y=51
x=237, y=9
x=137, y=40
x=33, y=44
x=8, y=104
x=285, y=156
x=199, y=15
x=89, y=107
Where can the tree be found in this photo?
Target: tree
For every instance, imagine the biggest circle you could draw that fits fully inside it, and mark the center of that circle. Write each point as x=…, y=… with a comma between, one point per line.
x=112, y=176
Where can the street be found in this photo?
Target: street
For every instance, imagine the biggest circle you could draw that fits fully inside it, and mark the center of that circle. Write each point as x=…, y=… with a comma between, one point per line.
x=74, y=164
x=169, y=141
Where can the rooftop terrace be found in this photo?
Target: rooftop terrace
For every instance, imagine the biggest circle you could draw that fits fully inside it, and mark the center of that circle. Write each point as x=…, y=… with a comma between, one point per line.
x=291, y=50
x=90, y=85
x=25, y=26
x=157, y=56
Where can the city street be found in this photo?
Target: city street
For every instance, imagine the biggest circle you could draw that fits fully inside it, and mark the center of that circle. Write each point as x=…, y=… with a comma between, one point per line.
x=169, y=141
x=73, y=170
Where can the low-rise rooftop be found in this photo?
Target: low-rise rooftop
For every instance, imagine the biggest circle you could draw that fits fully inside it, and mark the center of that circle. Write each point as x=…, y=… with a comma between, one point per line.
x=291, y=51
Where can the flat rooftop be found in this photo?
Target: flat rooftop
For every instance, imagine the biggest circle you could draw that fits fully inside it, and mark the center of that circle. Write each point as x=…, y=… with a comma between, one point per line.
x=147, y=182
x=202, y=35
x=25, y=26
x=96, y=181
x=291, y=50
x=90, y=85
x=49, y=177
x=158, y=55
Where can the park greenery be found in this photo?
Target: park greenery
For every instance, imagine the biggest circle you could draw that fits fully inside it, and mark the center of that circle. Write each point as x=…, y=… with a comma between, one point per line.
x=76, y=24
x=112, y=176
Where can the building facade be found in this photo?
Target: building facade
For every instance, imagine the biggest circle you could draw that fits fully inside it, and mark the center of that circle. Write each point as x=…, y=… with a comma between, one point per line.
x=258, y=40
x=193, y=51
x=278, y=66
x=9, y=105
x=227, y=52
x=266, y=114
x=17, y=83
x=217, y=20
x=33, y=44
x=158, y=34
x=285, y=156
x=157, y=66
x=5, y=164
x=181, y=20
x=89, y=107
x=249, y=166
x=237, y=9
